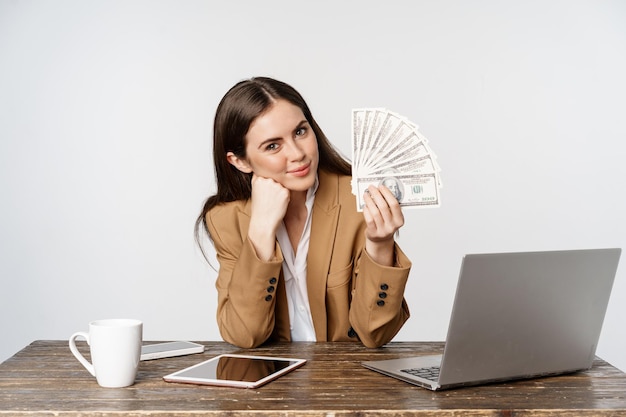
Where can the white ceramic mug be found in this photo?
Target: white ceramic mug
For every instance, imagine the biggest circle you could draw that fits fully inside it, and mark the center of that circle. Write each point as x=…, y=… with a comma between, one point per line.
x=115, y=347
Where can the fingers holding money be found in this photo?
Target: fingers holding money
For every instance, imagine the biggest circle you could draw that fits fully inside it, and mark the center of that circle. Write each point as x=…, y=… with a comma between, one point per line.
x=382, y=212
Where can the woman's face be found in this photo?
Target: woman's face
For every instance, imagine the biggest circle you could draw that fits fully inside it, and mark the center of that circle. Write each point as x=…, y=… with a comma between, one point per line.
x=281, y=145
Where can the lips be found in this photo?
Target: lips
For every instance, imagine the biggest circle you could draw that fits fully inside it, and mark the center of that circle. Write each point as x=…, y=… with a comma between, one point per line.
x=301, y=171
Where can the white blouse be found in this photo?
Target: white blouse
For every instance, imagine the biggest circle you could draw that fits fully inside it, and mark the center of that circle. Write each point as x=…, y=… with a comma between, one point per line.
x=294, y=272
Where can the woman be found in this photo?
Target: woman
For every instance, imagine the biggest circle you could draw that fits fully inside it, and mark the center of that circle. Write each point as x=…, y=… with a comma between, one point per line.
x=297, y=261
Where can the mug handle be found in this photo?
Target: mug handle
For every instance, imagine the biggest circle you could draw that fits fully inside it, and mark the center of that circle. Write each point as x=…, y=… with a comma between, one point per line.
x=79, y=355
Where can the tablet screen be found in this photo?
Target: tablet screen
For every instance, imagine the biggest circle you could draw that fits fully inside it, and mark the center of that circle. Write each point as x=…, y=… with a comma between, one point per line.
x=236, y=370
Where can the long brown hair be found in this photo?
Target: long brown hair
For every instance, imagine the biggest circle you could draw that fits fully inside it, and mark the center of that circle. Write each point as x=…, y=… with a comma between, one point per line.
x=243, y=103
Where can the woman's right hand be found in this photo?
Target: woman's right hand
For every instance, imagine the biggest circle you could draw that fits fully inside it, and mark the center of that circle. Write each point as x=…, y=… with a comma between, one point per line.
x=269, y=204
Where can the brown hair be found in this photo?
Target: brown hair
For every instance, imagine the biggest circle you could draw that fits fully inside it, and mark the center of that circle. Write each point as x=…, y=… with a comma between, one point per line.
x=243, y=103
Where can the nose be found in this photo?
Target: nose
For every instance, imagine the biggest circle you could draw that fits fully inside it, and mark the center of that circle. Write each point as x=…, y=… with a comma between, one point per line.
x=295, y=151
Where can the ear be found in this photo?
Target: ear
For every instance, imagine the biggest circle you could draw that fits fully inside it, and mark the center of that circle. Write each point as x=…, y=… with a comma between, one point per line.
x=239, y=163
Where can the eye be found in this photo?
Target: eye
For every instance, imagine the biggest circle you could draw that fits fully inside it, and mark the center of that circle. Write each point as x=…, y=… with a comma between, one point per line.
x=271, y=146
x=301, y=131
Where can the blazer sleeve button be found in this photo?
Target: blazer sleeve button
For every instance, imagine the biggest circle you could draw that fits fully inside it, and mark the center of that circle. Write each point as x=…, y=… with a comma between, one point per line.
x=270, y=289
x=273, y=280
x=384, y=287
x=380, y=303
x=351, y=333
x=268, y=297
x=382, y=294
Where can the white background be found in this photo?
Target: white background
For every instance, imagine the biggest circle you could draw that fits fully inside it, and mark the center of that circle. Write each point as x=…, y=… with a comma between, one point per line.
x=106, y=112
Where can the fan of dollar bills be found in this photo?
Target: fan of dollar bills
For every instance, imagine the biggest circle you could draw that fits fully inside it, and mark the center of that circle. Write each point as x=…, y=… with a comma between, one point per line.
x=389, y=149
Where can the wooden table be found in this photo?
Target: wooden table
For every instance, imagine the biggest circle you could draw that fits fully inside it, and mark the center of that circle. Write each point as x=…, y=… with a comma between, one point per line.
x=45, y=379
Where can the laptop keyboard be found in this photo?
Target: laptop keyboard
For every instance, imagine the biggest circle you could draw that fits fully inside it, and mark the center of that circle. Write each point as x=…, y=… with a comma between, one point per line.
x=431, y=373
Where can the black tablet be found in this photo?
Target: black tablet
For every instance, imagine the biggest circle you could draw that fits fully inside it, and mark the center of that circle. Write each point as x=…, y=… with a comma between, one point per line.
x=240, y=371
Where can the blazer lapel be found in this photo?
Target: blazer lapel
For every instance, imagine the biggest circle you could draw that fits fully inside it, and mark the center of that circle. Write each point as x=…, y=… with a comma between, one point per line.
x=323, y=230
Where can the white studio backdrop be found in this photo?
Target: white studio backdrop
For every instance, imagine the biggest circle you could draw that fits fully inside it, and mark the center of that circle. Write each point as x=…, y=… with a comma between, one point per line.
x=106, y=113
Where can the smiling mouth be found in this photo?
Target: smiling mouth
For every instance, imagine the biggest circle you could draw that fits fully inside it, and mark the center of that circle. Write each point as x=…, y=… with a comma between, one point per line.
x=301, y=171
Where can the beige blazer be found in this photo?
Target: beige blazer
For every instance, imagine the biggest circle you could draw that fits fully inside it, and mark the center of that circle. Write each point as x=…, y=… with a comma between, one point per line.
x=351, y=297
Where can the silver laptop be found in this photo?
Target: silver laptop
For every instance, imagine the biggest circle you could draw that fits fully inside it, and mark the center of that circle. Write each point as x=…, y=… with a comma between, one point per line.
x=517, y=316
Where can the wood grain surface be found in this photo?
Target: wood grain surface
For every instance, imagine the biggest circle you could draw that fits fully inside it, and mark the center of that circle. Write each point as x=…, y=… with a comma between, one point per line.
x=45, y=379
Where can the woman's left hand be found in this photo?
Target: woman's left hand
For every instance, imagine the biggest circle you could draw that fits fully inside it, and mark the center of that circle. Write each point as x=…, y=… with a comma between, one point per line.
x=383, y=218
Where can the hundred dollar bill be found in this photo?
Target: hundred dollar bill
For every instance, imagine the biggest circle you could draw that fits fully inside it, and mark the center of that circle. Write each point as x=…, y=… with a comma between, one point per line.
x=389, y=138
x=371, y=128
x=409, y=148
x=358, y=116
x=424, y=165
x=411, y=190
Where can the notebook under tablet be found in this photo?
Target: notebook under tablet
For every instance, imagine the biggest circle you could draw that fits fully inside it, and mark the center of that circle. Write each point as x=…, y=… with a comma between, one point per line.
x=517, y=316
